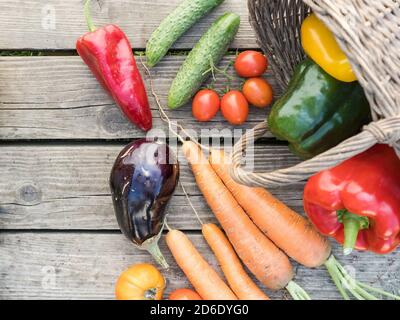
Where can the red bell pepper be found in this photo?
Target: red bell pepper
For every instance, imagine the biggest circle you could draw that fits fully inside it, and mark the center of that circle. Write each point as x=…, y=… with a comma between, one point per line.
x=108, y=54
x=358, y=201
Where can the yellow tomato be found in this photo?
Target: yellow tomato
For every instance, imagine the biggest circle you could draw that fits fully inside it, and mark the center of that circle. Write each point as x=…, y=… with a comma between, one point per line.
x=320, y=45
x=140, y=282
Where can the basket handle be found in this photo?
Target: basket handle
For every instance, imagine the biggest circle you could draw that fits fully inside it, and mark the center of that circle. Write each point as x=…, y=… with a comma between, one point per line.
x=383, y=131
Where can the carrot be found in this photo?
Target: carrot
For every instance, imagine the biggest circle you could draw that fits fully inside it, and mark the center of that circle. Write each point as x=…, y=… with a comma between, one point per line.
x=201, y=275
x=238, y=280
x=268, y=263
x=287, y=229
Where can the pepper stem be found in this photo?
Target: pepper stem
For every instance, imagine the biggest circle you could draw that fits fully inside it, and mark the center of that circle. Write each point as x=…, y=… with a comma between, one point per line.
x=348, y=285
x=352, y=225
x=297, y=292
x=88, y=17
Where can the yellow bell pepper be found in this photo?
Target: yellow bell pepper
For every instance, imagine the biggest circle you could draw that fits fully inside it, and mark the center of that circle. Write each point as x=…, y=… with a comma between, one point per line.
x=320, y=45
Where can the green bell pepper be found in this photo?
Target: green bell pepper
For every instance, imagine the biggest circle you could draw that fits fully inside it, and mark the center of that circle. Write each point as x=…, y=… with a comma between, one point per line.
x=318, y=112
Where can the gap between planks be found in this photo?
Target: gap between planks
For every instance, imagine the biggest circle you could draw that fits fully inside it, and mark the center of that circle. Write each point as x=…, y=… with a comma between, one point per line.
x=66, y=187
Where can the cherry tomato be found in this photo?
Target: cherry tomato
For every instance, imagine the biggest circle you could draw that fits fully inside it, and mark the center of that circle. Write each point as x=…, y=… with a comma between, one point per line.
x=184, y=294
x=205, y=105
x=258, y=92
x=251, y=64
x=235, y=107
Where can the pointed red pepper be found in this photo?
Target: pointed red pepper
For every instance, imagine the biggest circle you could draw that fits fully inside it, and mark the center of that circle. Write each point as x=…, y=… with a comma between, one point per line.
x=358, y=201
x=108, y=54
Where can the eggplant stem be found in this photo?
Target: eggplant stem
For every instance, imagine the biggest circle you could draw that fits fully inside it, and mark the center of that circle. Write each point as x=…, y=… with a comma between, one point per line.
x=155, y=251
x=297, y=292
x=346, y=284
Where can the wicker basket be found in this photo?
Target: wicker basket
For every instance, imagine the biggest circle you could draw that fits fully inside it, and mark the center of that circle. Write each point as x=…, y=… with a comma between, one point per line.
x=369, y=33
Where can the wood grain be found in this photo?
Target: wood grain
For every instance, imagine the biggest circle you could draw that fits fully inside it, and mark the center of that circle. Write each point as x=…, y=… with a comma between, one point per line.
x=86, y=266
x=56, y=215
x=66, y=187
x=57, y=24
x=58, y=98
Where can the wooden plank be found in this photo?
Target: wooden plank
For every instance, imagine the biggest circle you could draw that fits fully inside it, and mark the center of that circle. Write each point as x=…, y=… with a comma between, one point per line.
x=58, y=98
x=57, y=24
x=85, y=266
x=66, y=187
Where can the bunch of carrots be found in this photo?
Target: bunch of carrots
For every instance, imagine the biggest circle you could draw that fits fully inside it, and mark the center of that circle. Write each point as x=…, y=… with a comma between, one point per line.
x=261, y=232
x=235, y=206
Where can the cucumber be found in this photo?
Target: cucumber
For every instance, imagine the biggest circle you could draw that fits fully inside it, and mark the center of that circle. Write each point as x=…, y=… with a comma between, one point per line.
x=211, y=47
x=175, y=25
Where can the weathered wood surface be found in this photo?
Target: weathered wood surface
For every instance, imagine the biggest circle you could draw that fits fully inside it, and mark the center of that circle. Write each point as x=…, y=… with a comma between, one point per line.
x=58, y=98
x=55, y=206
x=86, y=266
x=57, y=24
x=66, y=187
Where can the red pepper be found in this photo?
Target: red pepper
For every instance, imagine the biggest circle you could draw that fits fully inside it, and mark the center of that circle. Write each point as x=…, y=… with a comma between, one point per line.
x=358, y=201
x=108, y=54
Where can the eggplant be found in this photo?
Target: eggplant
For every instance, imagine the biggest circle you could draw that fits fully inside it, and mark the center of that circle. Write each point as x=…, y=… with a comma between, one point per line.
x=143, y=180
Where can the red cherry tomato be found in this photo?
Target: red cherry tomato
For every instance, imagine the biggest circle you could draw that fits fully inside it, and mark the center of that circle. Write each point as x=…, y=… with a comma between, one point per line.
x=205, y=105
x=258, y=92
x=235, y=107
x=184, y=294
x=251, y=64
